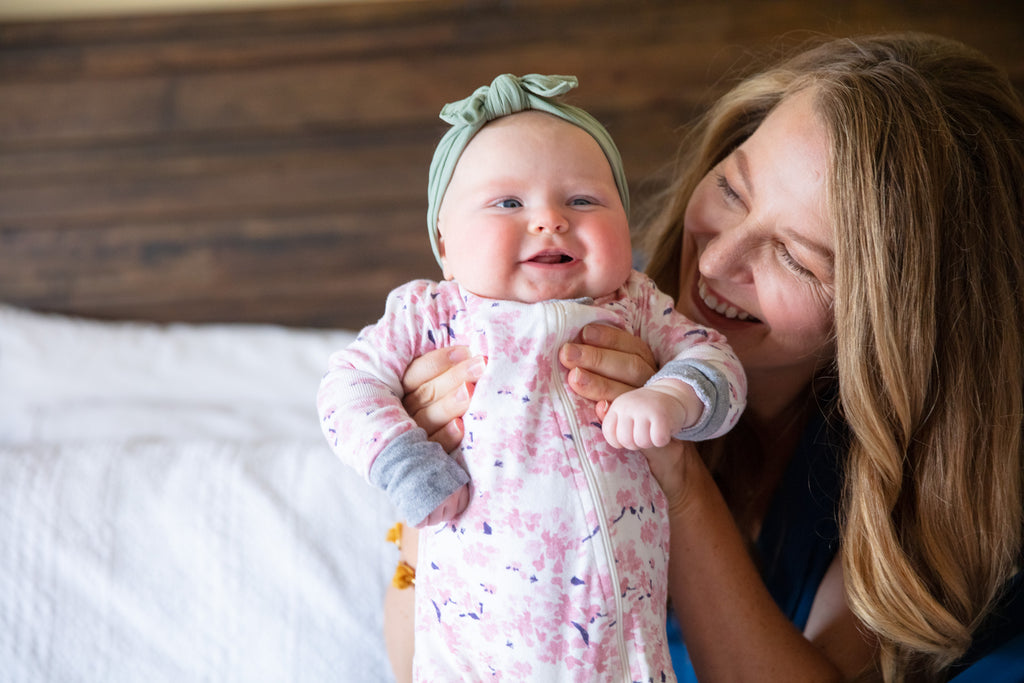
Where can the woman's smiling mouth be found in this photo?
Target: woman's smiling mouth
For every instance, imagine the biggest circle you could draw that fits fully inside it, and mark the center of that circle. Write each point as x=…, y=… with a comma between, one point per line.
x=721, y=307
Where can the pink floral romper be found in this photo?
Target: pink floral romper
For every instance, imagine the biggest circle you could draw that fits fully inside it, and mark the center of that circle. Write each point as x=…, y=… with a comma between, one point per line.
x=557, y=570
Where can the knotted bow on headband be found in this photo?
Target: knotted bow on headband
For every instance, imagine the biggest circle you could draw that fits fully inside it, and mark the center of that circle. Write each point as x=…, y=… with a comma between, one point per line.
x=506, y=95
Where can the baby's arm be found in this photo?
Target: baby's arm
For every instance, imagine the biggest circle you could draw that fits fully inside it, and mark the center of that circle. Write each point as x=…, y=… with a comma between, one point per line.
x=697, y=356
x=366, y=424
x=369, y=429
x=426, y=485
x=652, y=415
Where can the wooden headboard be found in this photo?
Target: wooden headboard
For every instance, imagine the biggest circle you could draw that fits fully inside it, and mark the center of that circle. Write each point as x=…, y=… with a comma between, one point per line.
x=271, y=165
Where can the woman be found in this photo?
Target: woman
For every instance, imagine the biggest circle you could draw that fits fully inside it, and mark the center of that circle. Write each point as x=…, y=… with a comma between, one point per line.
x=853, y=220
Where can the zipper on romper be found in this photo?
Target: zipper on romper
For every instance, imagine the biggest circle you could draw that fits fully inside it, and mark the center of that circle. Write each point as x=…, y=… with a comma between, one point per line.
x=595, y=491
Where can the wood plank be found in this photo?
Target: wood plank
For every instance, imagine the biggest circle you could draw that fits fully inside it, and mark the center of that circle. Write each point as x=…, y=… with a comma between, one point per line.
x=271, y=165
x=329, y=267
x=337, y=79
x=248, y=176
x=98, y=185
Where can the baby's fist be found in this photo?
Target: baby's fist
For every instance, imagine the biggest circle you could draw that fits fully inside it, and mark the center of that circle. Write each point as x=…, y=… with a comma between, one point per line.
x=449, y=509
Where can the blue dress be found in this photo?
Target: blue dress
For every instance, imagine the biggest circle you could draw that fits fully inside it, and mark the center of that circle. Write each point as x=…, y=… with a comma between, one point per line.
x=800, y=538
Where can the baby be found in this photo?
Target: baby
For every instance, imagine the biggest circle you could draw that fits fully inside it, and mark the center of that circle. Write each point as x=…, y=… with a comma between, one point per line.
x=544, y=555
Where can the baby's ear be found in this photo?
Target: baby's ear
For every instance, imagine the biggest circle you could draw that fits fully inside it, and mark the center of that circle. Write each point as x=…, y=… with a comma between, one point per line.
x=445, y=270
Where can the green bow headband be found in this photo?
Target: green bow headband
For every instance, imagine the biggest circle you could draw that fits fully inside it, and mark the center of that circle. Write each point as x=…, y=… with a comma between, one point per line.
x=508, y=94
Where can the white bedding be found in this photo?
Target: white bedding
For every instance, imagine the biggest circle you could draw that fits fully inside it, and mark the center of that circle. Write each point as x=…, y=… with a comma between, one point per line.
x=170, y=511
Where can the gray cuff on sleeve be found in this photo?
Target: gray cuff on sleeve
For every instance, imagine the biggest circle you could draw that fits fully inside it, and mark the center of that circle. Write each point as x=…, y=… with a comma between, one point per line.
x=416, y=474
x=712, y=388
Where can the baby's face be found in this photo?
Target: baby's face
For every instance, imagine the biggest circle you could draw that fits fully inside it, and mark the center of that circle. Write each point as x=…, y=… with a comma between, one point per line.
x=532, y=213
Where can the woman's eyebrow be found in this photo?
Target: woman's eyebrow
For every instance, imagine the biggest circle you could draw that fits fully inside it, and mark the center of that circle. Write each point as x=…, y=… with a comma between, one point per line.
x=744, y=167
x=823, y=252
x=809, y=244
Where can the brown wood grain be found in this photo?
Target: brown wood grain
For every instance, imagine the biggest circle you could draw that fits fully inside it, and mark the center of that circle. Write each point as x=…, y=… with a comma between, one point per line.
x=271, y=165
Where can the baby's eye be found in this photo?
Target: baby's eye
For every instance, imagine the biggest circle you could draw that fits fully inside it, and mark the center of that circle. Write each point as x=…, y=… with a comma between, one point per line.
x=509, y=204
x=581, y=201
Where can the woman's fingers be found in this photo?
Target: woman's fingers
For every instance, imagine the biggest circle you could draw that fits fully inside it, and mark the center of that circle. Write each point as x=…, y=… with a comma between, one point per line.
x=450, y=435
x=443, y=410
x=429, y=374
x=607, y=362
x=438, y=388
x=614, y=339
x=596, y=387
x=437, y=374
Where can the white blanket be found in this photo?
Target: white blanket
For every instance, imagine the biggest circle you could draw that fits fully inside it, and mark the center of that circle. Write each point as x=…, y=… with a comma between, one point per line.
x=170, y=512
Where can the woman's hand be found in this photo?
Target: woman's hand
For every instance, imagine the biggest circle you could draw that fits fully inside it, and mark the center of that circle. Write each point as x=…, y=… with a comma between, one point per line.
x=673, y=466
x=438, y=386
x=605, y=363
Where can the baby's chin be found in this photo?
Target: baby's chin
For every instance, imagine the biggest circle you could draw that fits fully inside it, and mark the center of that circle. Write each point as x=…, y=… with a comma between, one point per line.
x=536, y=297
x=536, y=290
x=538, y=294
x=536, y=282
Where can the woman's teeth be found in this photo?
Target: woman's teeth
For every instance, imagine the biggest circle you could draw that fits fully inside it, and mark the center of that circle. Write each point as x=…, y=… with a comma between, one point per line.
x=721, y=308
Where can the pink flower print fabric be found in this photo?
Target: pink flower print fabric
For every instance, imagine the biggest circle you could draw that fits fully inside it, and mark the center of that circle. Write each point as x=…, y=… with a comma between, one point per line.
x=557, y=570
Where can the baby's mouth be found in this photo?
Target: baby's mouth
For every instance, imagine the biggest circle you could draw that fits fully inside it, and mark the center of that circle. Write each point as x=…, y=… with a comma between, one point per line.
x=551, y=258
x=721, y=307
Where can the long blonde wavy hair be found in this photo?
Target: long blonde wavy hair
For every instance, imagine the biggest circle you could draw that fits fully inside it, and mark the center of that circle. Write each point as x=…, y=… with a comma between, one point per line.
x=927, y=203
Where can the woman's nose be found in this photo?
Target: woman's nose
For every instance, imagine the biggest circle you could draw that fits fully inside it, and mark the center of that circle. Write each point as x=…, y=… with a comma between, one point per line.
x=726, y=255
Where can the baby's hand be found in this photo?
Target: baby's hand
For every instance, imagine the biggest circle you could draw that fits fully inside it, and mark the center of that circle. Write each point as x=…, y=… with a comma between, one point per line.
x=650, y=416
x=451, y=508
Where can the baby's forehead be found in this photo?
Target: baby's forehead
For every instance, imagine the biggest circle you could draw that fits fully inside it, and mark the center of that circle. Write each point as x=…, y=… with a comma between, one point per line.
x=535, y=148
x=525, y=127
x=528, y=117
x=533, y=121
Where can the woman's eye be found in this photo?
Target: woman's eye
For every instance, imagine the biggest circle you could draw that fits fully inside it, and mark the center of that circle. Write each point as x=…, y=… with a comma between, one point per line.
x=509, y=204
x=793, y=264
x=723, y=185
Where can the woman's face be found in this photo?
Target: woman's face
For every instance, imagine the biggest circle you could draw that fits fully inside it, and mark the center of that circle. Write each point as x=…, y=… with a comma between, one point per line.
x=757, y=230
